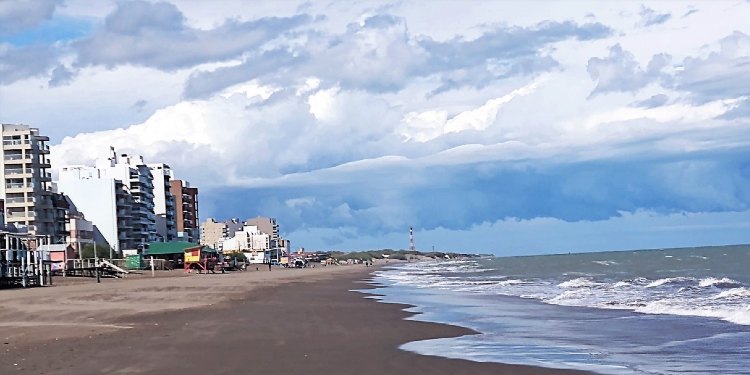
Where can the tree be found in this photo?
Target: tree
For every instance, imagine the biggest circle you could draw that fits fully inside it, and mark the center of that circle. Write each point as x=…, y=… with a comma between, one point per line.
x=102, y=251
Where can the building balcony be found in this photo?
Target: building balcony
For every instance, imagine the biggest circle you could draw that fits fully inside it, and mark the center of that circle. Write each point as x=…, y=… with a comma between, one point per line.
x=18, y=202
x=19, y=172
x=123, y=213
x=16, y=144
x=42, y=149
x=18, y=188
x=125, y=227
x=17, y=157
x=15, y=216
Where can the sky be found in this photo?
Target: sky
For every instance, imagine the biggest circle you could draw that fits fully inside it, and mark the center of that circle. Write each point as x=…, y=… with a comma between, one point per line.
x=505, y=127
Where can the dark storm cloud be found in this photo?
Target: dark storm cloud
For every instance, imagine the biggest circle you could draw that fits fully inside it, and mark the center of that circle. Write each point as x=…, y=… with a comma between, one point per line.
x=460, y=197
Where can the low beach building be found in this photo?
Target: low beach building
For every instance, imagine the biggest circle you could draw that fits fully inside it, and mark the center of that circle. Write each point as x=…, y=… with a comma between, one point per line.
x=170, y=251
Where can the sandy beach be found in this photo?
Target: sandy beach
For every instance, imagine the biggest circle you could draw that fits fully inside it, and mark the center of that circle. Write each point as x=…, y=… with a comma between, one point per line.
x=287, y=321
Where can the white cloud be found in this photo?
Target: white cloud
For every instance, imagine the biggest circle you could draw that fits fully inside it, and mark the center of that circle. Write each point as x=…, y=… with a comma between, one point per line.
x=349, y=119
x=694, y=115
x=430, y=124
x=323, y=104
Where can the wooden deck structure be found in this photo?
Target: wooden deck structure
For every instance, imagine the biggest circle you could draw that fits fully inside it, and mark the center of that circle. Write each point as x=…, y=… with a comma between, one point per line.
x=21, y=263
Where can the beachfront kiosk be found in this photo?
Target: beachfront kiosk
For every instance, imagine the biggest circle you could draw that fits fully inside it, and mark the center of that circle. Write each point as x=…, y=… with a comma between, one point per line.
x=201, y=258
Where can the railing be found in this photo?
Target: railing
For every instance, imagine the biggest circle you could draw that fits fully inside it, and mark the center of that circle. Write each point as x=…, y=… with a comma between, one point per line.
x=14, y=171
x=18, y=186
x=13, y=142
x=19, y=200
x=17, y=157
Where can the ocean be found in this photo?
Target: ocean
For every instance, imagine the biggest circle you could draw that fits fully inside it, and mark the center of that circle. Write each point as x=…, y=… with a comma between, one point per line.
x=675, y=311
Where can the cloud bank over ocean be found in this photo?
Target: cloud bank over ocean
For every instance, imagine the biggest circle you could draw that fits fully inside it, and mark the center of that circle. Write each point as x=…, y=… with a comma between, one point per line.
x=519, y=128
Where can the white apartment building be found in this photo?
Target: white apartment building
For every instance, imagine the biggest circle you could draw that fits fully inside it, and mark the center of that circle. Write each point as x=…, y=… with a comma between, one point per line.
x=265, y=225
x=139, y=181
x=248, y=239
x=105, y=202
x=26, y=186
x=164, y=202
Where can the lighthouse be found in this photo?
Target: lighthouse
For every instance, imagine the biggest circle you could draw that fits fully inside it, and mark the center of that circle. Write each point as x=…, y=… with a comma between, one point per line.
x=411, y=239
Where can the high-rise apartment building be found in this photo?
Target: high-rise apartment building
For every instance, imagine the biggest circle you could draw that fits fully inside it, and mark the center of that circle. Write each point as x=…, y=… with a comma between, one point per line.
x=164, y=202
x=26, y=186
x=137, y=178
x=105, y=201
x=186, y=206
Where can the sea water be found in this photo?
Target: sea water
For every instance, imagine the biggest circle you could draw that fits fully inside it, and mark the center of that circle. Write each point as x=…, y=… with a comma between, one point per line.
x=675, y=311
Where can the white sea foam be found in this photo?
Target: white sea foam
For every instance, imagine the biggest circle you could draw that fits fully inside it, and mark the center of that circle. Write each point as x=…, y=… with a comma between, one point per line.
x=719, y=283
x=581, y=282
x=734, y=293
x=605, y=262
x=716, y=297
x=737, y=315
x=567, y=296
x=631, y=283
x=512, y=282
x=669, y=280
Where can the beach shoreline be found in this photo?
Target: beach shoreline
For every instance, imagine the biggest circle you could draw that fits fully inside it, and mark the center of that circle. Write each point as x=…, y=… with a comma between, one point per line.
x=284, y=321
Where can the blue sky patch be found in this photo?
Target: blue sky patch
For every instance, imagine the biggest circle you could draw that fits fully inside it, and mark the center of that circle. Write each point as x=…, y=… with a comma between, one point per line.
x=55, y=30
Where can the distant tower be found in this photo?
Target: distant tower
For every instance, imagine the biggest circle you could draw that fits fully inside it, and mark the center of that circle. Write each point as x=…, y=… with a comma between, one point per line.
x=411, y=239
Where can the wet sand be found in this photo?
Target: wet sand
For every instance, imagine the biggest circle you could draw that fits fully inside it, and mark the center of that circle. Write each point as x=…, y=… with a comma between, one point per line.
x=281, y=322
